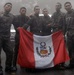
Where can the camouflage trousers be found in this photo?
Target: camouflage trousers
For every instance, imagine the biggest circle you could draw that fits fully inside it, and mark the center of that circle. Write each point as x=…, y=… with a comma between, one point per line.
x=5, y=45
x=70, y=45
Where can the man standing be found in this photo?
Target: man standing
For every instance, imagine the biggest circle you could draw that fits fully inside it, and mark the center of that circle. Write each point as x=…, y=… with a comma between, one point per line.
x=57, y=24
x=56, y=18
x=36, y=27
x=19, y=21
x=6, y=19
x=69, y=29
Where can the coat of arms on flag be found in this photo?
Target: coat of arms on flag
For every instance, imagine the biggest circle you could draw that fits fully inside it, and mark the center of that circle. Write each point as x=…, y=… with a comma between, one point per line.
x=43, y=50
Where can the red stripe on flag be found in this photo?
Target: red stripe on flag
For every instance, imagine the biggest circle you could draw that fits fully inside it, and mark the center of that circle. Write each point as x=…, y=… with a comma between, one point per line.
x=60, y=51
x=26, y=52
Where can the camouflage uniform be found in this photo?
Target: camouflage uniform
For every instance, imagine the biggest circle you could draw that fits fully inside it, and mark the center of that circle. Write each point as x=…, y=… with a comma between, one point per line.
x=20, y=20
x=5, y=24
x=56, y=21
x=57, y=24
x=36, y=24
x=69, y=28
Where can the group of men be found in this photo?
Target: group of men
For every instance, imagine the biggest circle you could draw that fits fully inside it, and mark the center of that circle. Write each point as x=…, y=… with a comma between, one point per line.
x=38, y=25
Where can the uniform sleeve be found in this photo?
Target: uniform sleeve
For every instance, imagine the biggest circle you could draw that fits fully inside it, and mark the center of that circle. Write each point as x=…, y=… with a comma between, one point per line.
x=28, y=18
x=29, y=23
x=0, y=19
x=62, y=24
x=15, y=22
x=16, y=48
x=17, y=39
x=53, y=21
x=52, y=18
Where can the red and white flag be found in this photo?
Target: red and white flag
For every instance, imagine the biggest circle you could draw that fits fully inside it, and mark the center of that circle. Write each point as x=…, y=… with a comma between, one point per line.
x=41, y=51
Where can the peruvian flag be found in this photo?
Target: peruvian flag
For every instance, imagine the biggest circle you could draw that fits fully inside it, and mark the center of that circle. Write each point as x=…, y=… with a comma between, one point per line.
x=41, y=51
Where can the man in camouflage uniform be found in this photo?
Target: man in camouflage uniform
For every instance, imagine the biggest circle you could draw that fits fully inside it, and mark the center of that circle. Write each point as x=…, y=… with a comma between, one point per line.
x=56, y=18
x=19, y=21
x=57, y=24
x=69, y=29
x=6, y=19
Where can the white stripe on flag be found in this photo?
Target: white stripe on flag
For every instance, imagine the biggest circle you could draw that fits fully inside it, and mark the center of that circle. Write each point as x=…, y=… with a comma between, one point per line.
x=44, y=60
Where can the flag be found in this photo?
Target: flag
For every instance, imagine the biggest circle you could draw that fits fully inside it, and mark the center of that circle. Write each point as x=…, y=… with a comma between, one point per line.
x=41, y=51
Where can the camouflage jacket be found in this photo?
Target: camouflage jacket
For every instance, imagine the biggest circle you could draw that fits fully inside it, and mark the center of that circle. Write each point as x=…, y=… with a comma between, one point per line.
x=36, y=24
x=5, y=24
x=20, y=20
x=57, y=20
x=69, y=23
